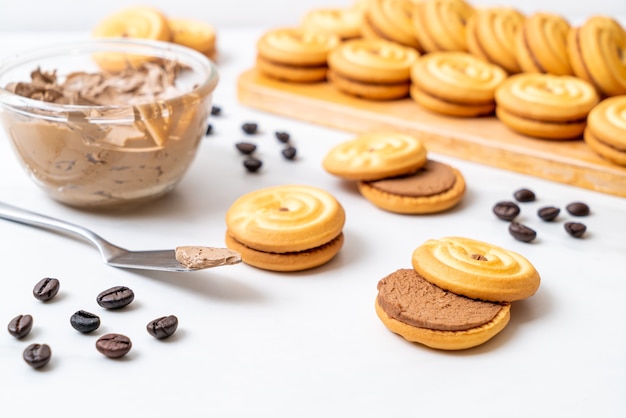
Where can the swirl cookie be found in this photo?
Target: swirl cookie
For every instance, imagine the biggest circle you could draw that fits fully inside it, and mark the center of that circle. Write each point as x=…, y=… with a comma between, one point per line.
x=440, y=25
x=541, y=45
x=435, y=187
x=371, y=69
x=491, y=36
x=285, y=228
x=606, y=129
x=375, y=155
x=345, y=23
x=194, y=34
x=412, y=307
x=476, y=269
x=295, y=54
x=545, y=105
x=455, y=84
x=390, y=20
x=596, y=51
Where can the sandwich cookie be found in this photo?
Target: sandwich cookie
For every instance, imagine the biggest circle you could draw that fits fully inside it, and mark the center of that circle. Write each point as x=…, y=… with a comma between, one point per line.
x=295, y=54
x=545, y=106
x=371, y=69
x=440, y=25
x=285, y=228
x=606, y=129
x=391, y=20
x=455, y=84
x=194, y=34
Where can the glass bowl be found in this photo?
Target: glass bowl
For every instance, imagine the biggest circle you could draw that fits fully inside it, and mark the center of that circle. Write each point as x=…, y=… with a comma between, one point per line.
x=106, y=123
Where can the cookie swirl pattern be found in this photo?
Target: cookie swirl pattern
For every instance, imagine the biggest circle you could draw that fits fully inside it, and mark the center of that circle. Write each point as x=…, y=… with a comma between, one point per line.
x=440, y=25
x=392, y=20
x=307, y=46
x=346, y=23
x=476, y=269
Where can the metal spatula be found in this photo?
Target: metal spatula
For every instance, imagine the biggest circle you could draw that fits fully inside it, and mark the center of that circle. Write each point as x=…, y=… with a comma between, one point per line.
x=164, y=260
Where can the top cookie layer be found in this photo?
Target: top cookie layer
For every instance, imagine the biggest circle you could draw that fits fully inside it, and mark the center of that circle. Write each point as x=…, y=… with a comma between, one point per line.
x=297, y=46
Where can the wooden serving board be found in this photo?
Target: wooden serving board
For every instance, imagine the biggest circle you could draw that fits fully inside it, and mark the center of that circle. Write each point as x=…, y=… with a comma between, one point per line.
x=482, y=140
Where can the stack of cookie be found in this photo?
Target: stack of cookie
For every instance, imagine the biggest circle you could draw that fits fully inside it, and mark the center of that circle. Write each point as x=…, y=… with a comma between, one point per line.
x=458, y=294
x=393, y=172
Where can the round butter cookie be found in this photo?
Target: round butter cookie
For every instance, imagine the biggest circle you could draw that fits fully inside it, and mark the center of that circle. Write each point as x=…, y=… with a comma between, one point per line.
x=596, y=51
x=606, y=129
x=541, y=45
x=390, y=20
x=375, y=155
x=435, y=187
x=476, y=269
x=371, y=69
x=410, y=306
x=545, y=106
x=440, y=25
x=491, y=36
x=455, y=84
x=194, y=34
x=295, y=54
x=285, y=228
x=345, y=23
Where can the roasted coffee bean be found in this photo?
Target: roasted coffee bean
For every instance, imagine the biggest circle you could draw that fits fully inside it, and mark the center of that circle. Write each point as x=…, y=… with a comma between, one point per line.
x=548, y=213
x=522, y=232
x=283, y=137
x=216, y=110
x=578, y=209
x=46, y=289
x=505, y=210
x=85, y=322
x=209, y=130
x=20, y=326
x=162, y=327
x=114, y=345
x=289, y=152
x=245, y=148
x=37, y=355
x=524, y=195
x=250, y=128
x=252, y=164
x=575, y=229
x=115, y=297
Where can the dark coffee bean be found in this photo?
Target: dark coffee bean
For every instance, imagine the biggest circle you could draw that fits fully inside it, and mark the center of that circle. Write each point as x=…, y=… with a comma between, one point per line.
x=522, y=232
x=289, y=152
x=216, y=110
x=37, y=355
x=283, y=137
x=46, y=289
x=85, y=322
x=114, y=345
x=548, y=213
x=115, y=297
x=162, y=327
x=245, y=147
x=252, y=164
x=209, y=129
x=20, y=326
x=524, y=195
x=250, y=128
x=578, y=209
x=575, y=229
x=505, y=210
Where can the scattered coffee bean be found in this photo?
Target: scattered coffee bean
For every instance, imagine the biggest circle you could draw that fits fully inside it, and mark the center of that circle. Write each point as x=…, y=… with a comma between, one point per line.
x=252, y=164
x=46, y=289
x=249, y=128
x=37, y=355
x=162, y=327
x=575, y=229
x=522, y=232
x=115, y=297
x=548, y=213
x=209, y=130
x=20, y=326
x=289, y=152
x=114, y=345
x=85, y=322
x=246, y=148
x=283, y=137
x=506, y=210
x=524, y=195
x=578, y=209
x=216, y=110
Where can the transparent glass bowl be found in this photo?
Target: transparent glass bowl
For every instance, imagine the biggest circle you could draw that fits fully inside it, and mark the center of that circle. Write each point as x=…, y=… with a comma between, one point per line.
x=94, y=156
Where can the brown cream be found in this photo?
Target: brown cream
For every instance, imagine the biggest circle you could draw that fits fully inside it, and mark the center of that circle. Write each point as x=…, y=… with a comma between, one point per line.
x=407, y=297
x=432, y=179
x=204, y=257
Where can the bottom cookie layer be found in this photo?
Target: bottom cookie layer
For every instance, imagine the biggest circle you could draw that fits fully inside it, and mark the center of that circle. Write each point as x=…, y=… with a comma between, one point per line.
x=565, y=130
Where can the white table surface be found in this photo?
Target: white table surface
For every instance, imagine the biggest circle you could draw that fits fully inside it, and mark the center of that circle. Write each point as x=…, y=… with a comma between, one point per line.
x=260, y=344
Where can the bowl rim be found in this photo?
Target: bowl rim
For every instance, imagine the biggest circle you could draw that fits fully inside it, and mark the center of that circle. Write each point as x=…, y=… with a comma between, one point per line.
x=161, y=49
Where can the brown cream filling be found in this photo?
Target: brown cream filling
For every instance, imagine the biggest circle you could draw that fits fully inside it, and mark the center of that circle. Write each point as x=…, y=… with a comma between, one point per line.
x=606, y=144
x=337, y=74
x=531, y=53
x=445, y=100
x=309, y=250
x=432, y=179
x=294, y=66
